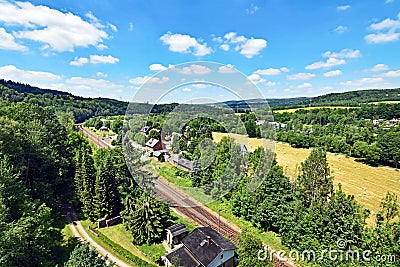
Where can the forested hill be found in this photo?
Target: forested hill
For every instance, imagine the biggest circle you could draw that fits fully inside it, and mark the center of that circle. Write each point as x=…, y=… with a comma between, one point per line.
x=352, y=98
x=81, y=107
x=355, y=98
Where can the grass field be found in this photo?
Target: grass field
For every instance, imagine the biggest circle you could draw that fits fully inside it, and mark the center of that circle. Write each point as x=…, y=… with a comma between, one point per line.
x=368, y=184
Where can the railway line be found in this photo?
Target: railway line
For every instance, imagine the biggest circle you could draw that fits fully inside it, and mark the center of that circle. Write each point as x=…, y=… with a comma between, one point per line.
x=188, y=207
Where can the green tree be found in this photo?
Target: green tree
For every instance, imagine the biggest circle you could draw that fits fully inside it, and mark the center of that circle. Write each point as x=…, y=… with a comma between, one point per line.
x=314, y=182
x=250, y=247
x=85, y=256
x=105, y=201
x=145, y=218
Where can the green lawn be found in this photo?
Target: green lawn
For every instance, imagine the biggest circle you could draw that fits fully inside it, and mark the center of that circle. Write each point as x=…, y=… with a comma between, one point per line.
x=115, y=248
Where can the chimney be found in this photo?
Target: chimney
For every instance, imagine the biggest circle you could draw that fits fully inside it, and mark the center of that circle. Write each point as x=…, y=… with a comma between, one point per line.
x=208, y=239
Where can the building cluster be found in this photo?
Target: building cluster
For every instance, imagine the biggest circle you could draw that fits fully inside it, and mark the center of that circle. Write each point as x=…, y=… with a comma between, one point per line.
x=385, y=124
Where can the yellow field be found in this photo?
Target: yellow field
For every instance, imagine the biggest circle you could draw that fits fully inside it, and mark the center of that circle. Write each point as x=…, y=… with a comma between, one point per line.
x=385, y=102
x=368, y=184
x=291, y=110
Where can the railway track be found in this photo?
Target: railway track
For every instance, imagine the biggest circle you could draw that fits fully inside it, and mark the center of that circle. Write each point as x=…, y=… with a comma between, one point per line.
x=188, y=207
x=96, y=140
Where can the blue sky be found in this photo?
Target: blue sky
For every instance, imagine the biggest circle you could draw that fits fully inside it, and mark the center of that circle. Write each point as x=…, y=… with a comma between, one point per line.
x=287, y=48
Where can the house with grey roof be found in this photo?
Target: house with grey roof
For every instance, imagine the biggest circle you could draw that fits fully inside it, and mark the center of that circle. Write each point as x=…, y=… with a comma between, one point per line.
x=203, y=247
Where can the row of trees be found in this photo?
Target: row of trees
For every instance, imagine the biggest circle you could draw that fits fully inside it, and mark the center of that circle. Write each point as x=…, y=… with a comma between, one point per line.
x=345, y=131
x=310, y=214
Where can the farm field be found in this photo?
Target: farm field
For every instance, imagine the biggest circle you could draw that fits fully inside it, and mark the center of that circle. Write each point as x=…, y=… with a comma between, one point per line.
x=291, y=110
x=368, y=184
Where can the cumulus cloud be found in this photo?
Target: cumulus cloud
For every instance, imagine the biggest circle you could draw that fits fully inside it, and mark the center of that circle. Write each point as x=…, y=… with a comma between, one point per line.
x=271, y=71
x=227, y=69
x=225, y=47
x=58, y=30
x=94, y=59
x=183, y=43
x=92, y=83
x=7, y=42
x=248, y=47
x=344, y=53
x=130, y=26
x=194, y=69
x=380, y=67
x=340, y=29
x=148, y=79
x=11, y=72
x=363, y=81
x=343, y=8
x=186, y=89
x=330, y=62
x=333, y=73
x=256, y=78
x=101, y=74
x=157, y=67
x=392, y=74
x=385, y=31
x=300, y=76
x=304, y=85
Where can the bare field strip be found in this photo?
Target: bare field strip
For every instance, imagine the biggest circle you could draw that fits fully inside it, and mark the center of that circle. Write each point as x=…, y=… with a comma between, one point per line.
x=291, y=110
x=368, y=184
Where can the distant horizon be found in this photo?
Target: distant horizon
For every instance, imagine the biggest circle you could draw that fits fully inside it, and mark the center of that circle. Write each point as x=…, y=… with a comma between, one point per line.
x=288, y=49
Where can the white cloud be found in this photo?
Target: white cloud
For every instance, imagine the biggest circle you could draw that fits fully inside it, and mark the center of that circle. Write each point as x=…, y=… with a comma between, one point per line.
x=183, y=43
x=271, y=71
x=256, y=78
x=194, y=69
x=90, y=83
x=113, y=27
x=333, y=73
x=253, y=47
x=225, y=47
x=386, y=31
x=389, y=1
x=186, y=89
x=7, y=42
x=380, y=67
x=11, y=72
x=300, y=76
x=97, y=59
x=392, y=74
x=376, y=38
x=343, y=8
x=363, y=81
x=94, y=59
x=330, y=62
x=100, y=74
x=130, y=26
x=344, y=53
x=148, y=79
x=252, y=9
x=340, y=29
x=79, y=61
x=227, y=69
x=269, y=83
x=304, y=85
x=249, y=47
x=60, y=31
x=157, y=67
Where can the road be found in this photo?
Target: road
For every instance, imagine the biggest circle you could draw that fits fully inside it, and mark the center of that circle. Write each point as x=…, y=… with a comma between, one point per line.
x=191, y=209
x=80, y=233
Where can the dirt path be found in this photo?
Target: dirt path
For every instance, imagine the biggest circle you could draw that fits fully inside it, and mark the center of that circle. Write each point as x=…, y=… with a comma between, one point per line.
x=80, y=233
